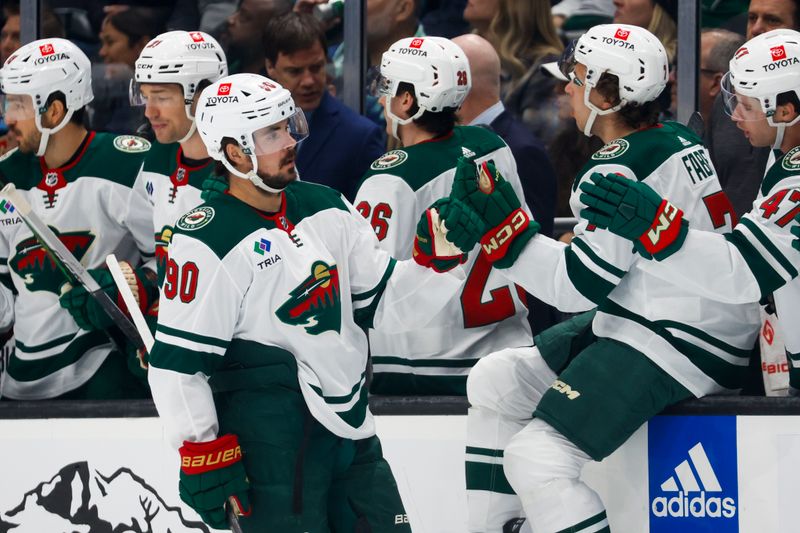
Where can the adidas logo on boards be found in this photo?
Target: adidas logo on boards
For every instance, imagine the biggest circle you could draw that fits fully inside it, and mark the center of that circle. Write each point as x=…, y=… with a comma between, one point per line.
x=693, y=493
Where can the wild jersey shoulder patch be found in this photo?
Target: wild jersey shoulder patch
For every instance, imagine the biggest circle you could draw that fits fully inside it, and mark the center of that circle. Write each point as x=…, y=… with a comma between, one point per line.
x=791, y=161
x=131, y=143
x=615, y=148
x=390, y=159
x=196, y=218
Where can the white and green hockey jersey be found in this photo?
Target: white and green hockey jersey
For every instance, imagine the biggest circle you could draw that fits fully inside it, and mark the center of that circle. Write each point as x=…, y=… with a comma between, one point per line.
x=87, y=203
x=489, y=313
x=169, y=185
x=753, y=261
x=703, y=343
x=293, y=289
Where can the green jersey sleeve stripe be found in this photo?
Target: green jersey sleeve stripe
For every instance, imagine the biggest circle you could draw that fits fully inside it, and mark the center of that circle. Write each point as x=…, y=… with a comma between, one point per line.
x=446, y=363
x=489, y=452
x=381, y=284
x=24, y=370
x=178, y=359
x=700, y=334
x=341, y=399
x=596, y=259
x=45, y=346
x=770, y=247
x=193, y=337
x=585, y=280
x=766, y=276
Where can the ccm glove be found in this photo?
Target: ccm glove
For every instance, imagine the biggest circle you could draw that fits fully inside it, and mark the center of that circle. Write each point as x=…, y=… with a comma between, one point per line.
x=634, y=211
x=213, y=187
x=87, y=312
x=212, y=474
x=485, y=191
x=444, y=231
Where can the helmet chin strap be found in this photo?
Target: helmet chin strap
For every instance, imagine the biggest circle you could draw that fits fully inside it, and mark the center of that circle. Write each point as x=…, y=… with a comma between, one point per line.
x=192, y=128
x=595, y=111
x=46, y=132
x=397, y=121
x=252, y=175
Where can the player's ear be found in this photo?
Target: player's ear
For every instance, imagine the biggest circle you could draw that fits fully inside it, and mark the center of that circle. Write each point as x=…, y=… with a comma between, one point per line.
x=787, y=112
x=54, y=114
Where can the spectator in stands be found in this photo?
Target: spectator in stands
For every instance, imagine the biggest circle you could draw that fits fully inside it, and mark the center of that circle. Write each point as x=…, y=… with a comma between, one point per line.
x=124, y=34
x=573, y=17
x=740, y=166
x=525, y=38
x=444, y=18
x=717, y=47
x=244, y=35
x=341, y=144
x=482, y=106
x=657, y=16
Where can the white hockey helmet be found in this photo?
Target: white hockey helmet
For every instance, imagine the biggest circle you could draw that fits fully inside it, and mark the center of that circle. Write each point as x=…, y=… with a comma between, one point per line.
x=633, y=54
x=763, y=68
x=41, y=68
x=436, y=67
x=243, y=107
x=185, y=58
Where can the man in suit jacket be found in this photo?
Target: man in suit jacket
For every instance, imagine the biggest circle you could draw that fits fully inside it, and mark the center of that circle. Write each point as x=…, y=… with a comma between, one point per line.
x=341, y=143
x=539, y=182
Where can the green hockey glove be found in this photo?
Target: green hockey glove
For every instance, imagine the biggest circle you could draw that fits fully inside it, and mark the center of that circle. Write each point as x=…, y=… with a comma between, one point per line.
x=444, y=231
x=634, y=211
x=212, y=474
x=213, y=187
x=87, y=312
x=796, y=233
x=485, y=191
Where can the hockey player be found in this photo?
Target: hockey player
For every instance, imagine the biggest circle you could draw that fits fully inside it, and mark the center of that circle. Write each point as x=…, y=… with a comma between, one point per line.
x=260, y=358
x=79, y=182
x=651, y=344
x=171, y=71
x=762, y=95
x=423, y=82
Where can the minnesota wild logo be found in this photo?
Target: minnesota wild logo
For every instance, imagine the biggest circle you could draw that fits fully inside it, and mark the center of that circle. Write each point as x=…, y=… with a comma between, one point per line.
x=37, y=270
x=315, y=303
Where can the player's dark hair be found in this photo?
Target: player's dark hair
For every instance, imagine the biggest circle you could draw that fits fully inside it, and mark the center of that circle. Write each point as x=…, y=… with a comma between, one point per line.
x=138, y=23
x=789, y=97
x=632, y=114
x=292, y=33
x=439, y=123
x=77, y=115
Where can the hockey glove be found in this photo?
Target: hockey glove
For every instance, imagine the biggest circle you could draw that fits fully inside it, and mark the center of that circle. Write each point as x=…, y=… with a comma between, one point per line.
x=444, y=231
x=87, y=312
x=213, y=187
x=484, y=190
x=212, y=474
x=796, y=233
x=634, y=211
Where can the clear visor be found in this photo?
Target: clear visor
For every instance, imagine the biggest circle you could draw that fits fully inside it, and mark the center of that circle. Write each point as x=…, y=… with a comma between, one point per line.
x=738, y=106
x=567, y=62
x=15, y=107
x=377, y=84
x=281, y=135
x=155, y=94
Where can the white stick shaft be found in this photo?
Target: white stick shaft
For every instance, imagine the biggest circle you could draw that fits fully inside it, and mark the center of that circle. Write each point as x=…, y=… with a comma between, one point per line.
x=130, y=302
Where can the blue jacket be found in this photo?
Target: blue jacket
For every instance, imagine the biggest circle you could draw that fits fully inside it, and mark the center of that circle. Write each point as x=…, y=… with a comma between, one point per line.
x=340, y=147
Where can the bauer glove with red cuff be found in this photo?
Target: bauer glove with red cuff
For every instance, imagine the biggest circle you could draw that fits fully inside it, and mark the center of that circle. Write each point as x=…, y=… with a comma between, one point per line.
x=445, y=231
x=485, y=191
x=212, y=475
x=634, y=211
x=87, y=312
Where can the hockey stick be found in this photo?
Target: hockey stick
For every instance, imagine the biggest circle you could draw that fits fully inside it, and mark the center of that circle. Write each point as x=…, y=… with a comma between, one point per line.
x=75, y=272
x=147, y=339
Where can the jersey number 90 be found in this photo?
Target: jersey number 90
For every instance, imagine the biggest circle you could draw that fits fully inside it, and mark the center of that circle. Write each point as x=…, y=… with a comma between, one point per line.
x=180, y=281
